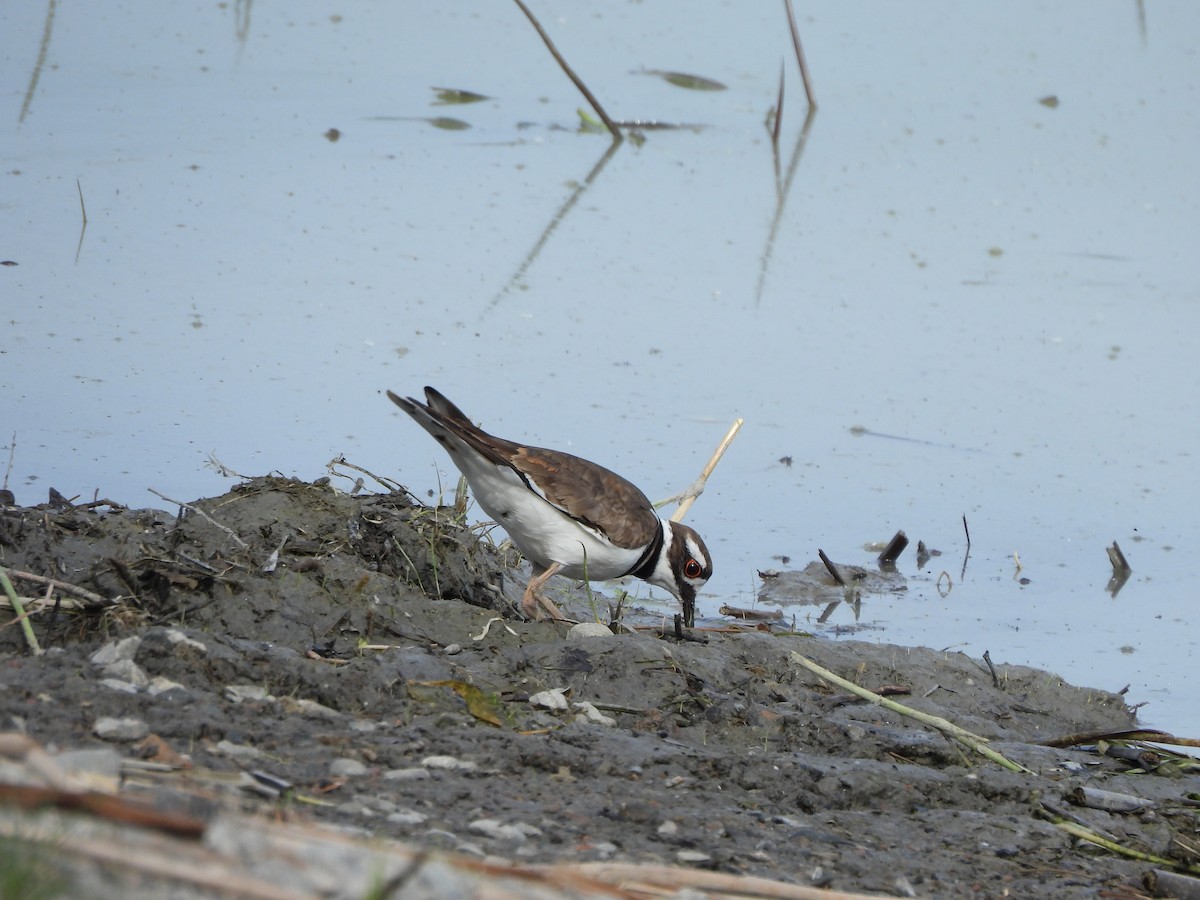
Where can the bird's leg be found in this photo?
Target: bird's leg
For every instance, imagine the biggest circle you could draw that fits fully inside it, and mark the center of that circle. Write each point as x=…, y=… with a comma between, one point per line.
x=533, y=593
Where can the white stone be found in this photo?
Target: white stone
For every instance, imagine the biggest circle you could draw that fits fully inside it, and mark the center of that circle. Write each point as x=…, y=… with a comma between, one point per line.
x=116, y=684
x=589, y=712
x=111, y=729
x=554, y=699
x=178, y=638
x=241, y=693
x=494, y=828
x=346, y=767
x=411, y=774
x=407, y=817
x=588, y=630
x=448, y=762
x=127, y=670
x=124, y=649
x=160, y=685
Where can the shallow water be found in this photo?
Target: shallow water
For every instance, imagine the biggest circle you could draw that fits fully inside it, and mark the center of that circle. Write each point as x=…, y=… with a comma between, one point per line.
x=999, y=289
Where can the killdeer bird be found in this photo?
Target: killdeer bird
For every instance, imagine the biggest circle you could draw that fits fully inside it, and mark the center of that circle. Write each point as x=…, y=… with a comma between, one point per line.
x=566, y=515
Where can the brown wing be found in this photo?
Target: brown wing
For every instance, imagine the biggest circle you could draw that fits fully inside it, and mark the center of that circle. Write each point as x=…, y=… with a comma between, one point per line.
x=591, y=493
x=582, y=489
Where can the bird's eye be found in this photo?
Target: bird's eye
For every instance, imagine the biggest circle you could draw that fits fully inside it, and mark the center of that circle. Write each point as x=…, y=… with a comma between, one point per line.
x=691, y=569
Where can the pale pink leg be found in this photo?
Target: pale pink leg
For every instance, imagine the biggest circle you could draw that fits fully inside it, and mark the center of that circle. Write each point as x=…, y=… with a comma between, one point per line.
x=534, y=598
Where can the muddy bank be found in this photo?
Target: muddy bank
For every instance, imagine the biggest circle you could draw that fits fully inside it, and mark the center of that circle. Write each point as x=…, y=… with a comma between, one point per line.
x=296, y=652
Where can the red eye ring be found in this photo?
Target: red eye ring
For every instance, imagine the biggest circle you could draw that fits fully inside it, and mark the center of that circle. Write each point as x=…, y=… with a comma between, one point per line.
x=692, y=569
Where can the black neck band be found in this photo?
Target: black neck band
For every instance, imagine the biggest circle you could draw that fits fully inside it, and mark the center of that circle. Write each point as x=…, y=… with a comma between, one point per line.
x=648, y=561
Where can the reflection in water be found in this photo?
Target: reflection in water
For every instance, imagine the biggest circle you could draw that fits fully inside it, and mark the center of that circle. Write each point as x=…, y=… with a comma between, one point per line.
x=782, y=189
x=47, y=31
x=83, y=224
x=241, y=19
x=567, y=206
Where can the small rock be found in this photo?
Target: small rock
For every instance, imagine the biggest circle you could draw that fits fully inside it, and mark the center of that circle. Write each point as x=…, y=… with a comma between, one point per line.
x=452, y=649
x=588, y=630
x=554, y=699
x=238, y=751
x=604, y=850
x=693, y=857
x=127, y=670
x=448, y=762
x=411, y=774
x=102, y=761
x=116, y=684
x=177, y=637
x=309, y=708
x=347, y=767
x=243, y=693
x=160, y=685
x=668, y=828
x=110, y=729
x=493, y=828
x=125, y=649
x=407, y=817
x=589, y=713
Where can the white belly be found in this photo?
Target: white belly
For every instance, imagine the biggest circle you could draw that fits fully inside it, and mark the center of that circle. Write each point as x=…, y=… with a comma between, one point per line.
x=542, y=532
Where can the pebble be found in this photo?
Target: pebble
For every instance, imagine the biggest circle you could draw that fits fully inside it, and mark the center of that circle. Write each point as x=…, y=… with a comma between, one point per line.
x=668, y=828
x=110, y=729
x=309, y=708
x=604, y=850
x=127, y=670
x=494, y=828
x=693, y=857
x=116, y=684
x=177, y=637
x=347, y=767
x=452, y=649
x=160, y=685
x=125, y=649
x=410, y=774
x=407, y=817
x=238, y=751
x=448, y=762
x=586, y=630
x=554, y=699
x=588, y=712
x=241, y=693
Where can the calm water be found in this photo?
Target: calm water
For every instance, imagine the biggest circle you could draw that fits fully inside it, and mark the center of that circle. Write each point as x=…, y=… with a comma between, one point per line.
x=982, y=252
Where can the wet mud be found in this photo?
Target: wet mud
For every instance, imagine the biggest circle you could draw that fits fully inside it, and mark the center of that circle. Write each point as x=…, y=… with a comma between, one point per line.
x=291, y=651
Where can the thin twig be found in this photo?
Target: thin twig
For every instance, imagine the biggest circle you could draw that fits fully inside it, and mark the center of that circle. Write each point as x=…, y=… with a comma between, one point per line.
x=833, y=570
x=62, y=586
x=1087, y=834
x=948, y=728
x=967, y=531
x=12, y=452
x=804, y=76
x=987, y=658
x=583, y=89
x=392, y=486
x=15, y=601
x=202, y=514
x=696, y=488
